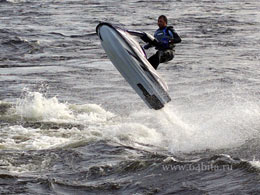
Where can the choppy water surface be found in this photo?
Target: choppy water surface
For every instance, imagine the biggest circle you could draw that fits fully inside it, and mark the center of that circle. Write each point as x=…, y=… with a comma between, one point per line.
x=70, y=124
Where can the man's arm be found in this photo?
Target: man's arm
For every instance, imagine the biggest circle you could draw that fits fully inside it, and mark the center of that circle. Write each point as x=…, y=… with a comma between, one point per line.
x=175, y=37
x=152, y=42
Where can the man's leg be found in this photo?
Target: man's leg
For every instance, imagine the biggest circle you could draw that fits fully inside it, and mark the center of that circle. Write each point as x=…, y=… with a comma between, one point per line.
x=166, y=55
x=160, y=57
x=154, y=60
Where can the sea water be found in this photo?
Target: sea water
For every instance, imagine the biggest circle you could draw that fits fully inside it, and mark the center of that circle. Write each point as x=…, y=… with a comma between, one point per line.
x=70, y=123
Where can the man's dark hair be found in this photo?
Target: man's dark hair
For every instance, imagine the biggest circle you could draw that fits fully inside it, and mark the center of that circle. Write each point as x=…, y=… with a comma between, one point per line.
x=164, y=18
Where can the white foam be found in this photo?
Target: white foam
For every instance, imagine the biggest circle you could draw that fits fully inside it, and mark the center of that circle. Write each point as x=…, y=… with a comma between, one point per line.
x=176, y=130
x=132, y=133
x=21, y=138
x=35, y=106
x=255, y=163
x=90, y=113
x=226, y=124
x=17, y=1
x=221, y=127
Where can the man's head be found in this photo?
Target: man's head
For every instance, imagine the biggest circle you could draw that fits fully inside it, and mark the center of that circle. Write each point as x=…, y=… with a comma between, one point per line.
x=162, y=21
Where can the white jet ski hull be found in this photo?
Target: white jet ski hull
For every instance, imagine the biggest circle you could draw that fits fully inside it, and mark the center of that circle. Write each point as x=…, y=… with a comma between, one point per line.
x=129, y=59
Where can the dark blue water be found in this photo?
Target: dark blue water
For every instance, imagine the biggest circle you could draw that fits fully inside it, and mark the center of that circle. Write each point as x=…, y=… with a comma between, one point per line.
x=70, y=124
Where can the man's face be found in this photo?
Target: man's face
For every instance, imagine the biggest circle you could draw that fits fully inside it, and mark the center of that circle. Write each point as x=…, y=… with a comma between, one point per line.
x=161, y=23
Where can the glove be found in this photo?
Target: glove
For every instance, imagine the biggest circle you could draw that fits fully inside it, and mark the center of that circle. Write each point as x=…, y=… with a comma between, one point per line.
x=145, y=38
x=147, y=46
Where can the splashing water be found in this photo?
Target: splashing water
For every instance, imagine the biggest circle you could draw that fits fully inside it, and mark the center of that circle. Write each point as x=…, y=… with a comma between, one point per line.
x=35, y=106
x=225, y=126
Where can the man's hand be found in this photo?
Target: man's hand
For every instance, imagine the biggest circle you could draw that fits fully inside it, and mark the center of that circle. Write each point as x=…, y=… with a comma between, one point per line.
x=171, y=41
x=147, y=46
x=145, y=38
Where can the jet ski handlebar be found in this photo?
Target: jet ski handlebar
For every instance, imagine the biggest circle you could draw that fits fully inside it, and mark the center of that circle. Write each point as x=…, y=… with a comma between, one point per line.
x=146, y=37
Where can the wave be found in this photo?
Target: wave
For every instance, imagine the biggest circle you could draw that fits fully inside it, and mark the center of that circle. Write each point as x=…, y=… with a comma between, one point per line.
x=17, y=46
x=14, y=1
x=38, y=122
x=35, y=115
x=111, y=170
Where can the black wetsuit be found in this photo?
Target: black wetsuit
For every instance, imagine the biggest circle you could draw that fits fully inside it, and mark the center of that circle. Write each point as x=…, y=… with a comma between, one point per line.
x=167, y=38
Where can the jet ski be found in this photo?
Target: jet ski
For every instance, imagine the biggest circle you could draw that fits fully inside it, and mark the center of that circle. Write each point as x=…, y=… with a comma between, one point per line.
x=129, y=58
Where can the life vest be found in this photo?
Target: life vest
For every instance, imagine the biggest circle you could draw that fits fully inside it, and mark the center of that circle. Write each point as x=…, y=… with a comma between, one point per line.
x=164, y=36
